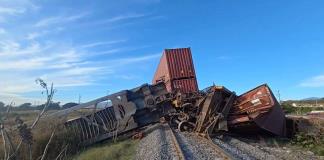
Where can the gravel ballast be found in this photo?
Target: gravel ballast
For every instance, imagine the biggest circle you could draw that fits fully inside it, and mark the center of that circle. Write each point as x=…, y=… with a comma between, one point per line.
x=156, y=144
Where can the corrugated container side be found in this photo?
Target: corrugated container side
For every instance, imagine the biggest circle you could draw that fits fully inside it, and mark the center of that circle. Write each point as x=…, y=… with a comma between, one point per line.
x=162, y=71
x=180, y=63
x=168, y=86
x=177, y=71
x=185, y=85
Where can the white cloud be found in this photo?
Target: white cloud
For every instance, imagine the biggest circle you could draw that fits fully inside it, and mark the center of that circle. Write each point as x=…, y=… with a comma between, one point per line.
x=95, y=44
x=126, y=77
x=116, y=50
x=65, y=66
x=33, y=35
x=59, y=64
x=18, y=99
x=125, y=17
x=11, y=11
x=24, y=58
x=124, y=61
x=2, y=31
x=119, y=18
x=37, y=34
x=10, y=8
x=317, y=81
x=77, y=71
x=60, y=19
x=14, y=48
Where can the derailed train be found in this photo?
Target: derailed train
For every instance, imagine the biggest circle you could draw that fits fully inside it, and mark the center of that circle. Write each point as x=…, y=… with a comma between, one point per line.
x=174, y=96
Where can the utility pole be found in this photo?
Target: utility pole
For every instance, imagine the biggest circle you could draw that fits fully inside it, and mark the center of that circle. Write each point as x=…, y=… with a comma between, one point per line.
x=79, y=99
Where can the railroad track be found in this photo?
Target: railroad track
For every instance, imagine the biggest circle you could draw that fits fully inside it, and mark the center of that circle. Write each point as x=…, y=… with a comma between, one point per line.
x=192, y=146
x=163, y=142
x=175, y=143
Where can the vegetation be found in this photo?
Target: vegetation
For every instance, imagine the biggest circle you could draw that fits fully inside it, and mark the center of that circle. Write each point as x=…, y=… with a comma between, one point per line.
x=121, y=150
x=30, y=107
x=38, y=139
x=62, y=141
x=309, y=142
x=309, y=101
x=66, y=142
x=289, y=109
x=27, y=136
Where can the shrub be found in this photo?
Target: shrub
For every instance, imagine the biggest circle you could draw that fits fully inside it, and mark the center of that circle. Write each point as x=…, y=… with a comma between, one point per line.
x=315, y=143
x=63, y=138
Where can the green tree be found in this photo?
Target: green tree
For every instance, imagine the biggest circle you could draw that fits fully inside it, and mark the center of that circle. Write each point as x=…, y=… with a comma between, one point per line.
x=2, y=106
x=69, y=105
x=25, y=106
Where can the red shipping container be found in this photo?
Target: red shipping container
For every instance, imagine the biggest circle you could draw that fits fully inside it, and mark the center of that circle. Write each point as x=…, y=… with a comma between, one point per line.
x=177, y=71
x=185, y=85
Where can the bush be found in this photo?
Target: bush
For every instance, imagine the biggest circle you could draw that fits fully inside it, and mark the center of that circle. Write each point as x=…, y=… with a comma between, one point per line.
x=62, y=138
x=289, y=109
x=315, y=143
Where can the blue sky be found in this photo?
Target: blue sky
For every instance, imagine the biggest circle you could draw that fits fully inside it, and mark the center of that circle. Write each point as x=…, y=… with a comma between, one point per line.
x=97, y=47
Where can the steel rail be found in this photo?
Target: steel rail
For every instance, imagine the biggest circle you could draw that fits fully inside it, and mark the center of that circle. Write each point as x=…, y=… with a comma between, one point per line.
x=176, y=144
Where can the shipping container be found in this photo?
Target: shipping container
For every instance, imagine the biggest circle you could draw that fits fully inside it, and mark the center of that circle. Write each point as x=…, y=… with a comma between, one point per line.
x=185, y=85
x=176, y=70
x=259, y=106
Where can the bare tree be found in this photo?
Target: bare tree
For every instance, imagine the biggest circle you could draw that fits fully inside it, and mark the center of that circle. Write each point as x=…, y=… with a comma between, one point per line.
x=25, y=132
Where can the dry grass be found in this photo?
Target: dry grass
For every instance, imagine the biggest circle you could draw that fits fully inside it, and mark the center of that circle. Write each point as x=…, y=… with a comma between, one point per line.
x=122, y=150
x=310, y=136
x=41, y=134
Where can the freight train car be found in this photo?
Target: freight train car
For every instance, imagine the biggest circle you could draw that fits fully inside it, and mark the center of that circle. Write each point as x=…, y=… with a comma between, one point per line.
x=257, y=109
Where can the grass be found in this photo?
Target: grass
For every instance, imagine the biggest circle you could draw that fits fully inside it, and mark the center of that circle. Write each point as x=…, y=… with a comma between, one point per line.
x=309, y=142
x=301, y=142
x=26, y=116
x=310, y=136
x=41, y=134
x=299, y=110
x=122, y=150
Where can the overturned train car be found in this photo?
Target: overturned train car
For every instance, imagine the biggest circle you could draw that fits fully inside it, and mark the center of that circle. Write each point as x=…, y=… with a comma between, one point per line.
x=122, y=112
x=257, y=109
x=219, y=109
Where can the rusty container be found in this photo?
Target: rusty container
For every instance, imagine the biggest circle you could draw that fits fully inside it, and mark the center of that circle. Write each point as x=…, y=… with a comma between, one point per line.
x=177, y=71
x=260, y=107
x=185, y=85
